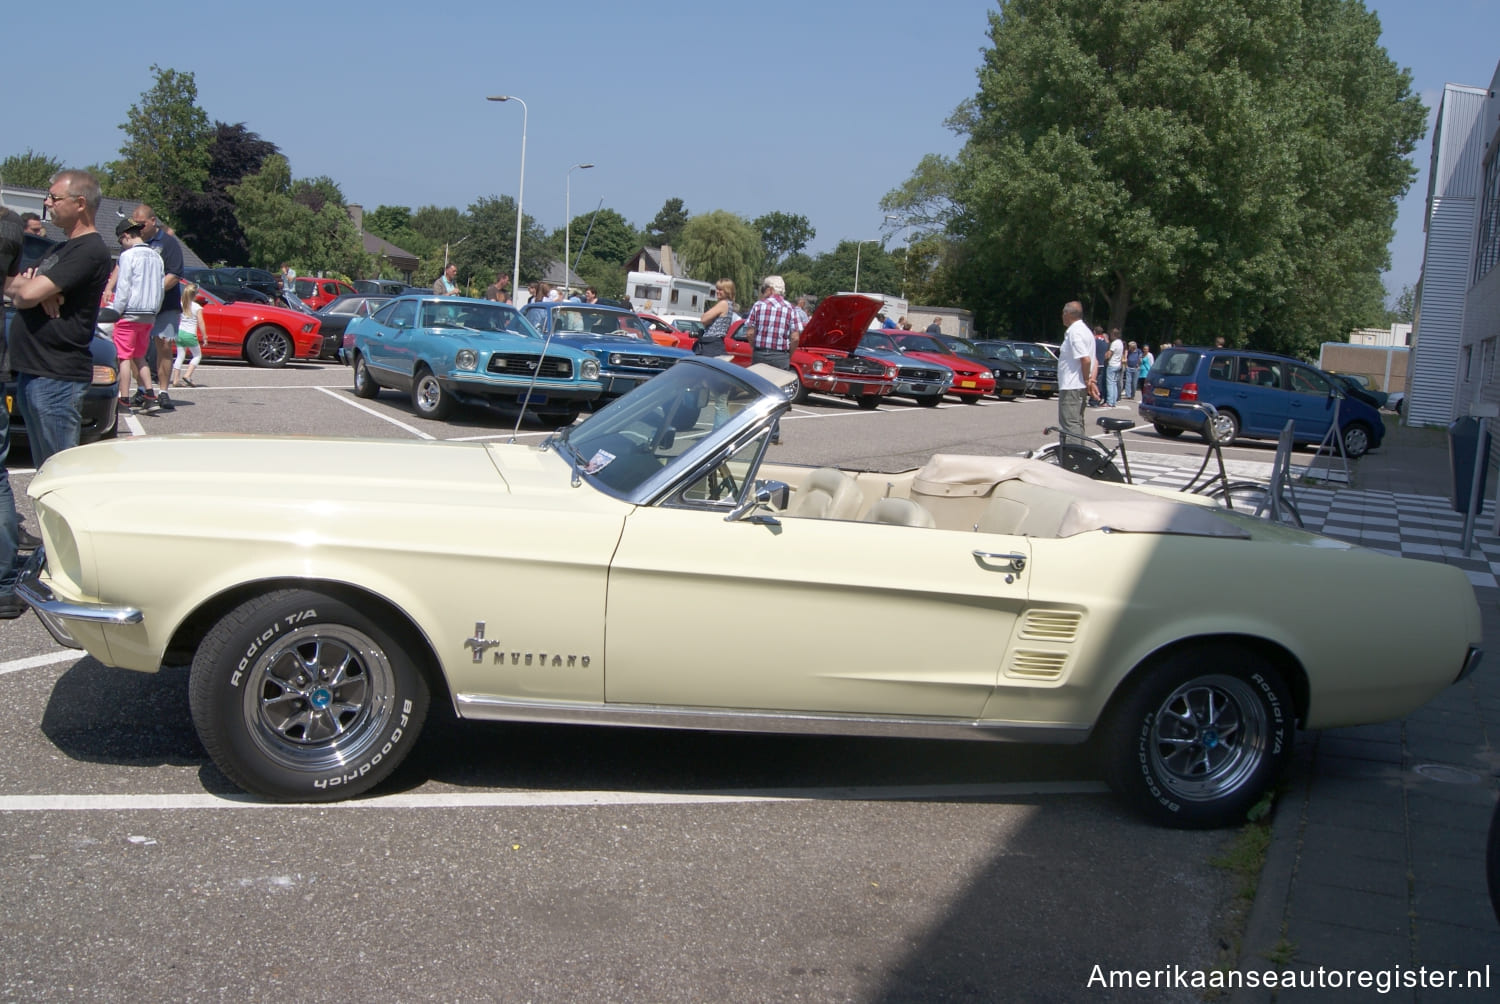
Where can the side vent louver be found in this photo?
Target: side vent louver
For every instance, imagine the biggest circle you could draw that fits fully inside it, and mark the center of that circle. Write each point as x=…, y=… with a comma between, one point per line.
x=1030, y=665
x=1051, y=625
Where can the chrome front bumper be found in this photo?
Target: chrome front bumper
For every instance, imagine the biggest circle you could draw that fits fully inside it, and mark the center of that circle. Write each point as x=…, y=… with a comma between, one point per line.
x=51, y=611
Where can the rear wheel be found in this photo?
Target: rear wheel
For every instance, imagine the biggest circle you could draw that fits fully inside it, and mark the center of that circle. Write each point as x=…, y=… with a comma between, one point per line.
x=364, y=384
x=268, y=346
x=1082, y=460
x=1196, y=740
x=1226, y=428
x=429, y=397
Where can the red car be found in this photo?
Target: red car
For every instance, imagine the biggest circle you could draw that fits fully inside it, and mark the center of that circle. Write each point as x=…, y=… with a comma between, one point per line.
x=258, y=333
x=972, y=380
x=663, y=333
x=316, y=292
x=825, y=362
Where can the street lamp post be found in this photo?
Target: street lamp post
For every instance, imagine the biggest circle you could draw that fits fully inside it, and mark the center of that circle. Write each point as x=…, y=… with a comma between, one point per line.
x=568, y=224
x=905, y=258
x=859, y=250
x=515, y=279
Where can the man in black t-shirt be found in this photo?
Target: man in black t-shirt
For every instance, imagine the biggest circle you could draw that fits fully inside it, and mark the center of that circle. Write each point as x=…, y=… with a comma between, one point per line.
x=57, y=304
x=11, y=606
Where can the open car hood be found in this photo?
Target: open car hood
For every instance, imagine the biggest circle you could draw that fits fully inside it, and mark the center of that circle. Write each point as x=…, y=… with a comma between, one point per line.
x=840, y=321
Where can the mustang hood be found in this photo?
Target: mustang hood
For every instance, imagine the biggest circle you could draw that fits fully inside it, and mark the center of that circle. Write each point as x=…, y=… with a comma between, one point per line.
x=303, y=472
x=840, y=321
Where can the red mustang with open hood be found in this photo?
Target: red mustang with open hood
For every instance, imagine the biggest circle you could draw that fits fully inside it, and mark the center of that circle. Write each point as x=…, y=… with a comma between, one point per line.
x=825, y=362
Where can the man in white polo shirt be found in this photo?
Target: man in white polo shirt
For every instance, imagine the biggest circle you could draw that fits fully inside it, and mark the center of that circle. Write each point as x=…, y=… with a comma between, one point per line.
x=1076, y=376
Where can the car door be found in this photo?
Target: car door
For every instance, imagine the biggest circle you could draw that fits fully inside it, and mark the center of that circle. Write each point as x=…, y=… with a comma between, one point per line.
x=809, y=615
x=1309, y=403
x=1254, y=391
x=387, y=342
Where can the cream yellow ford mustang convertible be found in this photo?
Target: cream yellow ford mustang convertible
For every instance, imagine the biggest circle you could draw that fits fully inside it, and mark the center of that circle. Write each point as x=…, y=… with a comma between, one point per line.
x=337, y=586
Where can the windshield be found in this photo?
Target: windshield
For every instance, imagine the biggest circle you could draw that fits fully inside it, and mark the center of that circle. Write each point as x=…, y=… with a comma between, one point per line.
x=877, y=343
x=627, y=442
x=592, y=320
x=1033, y=354
x=960, y=344
x=473, y=315
x=921, y=343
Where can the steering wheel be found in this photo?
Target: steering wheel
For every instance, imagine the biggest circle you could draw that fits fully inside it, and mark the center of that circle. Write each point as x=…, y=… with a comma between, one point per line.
x=721, y=483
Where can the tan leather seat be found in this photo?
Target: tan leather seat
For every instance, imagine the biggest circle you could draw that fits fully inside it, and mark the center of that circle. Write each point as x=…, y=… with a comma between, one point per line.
x=899, y=512
x=827, y=494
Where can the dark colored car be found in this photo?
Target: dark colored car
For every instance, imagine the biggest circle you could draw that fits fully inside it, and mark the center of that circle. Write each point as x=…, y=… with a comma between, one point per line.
x=335, y=315
x=98, y=407
x=1038, y=365
x=258, y=279
x=618, y=339
x=1010, y=376
x=385, y=287
x=221, y=283
x=1255, y=393
x=922, y=381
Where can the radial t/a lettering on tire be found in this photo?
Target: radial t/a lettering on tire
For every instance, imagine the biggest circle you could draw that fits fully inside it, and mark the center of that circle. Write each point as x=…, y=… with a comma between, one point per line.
x=301, y=697
x=1198, y=738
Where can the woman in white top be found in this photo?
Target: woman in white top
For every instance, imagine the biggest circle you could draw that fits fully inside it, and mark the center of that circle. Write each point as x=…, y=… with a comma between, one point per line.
x=189, y=337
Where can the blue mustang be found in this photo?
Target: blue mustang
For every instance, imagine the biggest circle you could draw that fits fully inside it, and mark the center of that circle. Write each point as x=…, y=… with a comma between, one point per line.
x=618, y=339
x=449, y=350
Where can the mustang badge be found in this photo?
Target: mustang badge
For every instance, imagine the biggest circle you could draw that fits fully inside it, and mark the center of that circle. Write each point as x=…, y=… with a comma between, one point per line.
x=479, y=645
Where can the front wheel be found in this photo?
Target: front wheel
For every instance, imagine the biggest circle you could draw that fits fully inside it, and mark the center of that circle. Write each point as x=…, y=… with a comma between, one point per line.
x=301, y=697
x=428, y=396
x=868, y=402
x=1196, y=740
x=929, y=400
x=971, y=398
x=268, y=346
x=797, y=392
x=1356, y=440
x=1254, y=499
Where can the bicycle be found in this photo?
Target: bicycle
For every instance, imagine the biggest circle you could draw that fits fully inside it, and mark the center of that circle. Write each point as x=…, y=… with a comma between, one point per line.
x=1091, y=458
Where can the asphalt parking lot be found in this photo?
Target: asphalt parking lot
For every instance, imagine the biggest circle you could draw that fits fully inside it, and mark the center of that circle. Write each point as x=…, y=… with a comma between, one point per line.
x=571, y=863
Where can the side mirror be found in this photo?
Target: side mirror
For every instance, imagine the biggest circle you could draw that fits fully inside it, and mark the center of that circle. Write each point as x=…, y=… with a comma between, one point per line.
x=775, y=494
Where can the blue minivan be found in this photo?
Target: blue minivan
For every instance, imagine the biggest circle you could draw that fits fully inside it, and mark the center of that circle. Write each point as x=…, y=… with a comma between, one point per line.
x=1255, y=394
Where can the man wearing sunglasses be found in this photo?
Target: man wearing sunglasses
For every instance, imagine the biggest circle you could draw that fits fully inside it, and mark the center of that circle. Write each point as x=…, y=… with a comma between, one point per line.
x=57, y=304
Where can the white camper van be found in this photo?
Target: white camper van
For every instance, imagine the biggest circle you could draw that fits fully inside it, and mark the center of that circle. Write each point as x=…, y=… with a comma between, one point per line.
x=659, y=293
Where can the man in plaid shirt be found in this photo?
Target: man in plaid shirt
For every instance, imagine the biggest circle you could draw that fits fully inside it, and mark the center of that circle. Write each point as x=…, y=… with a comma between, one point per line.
x=772, y=329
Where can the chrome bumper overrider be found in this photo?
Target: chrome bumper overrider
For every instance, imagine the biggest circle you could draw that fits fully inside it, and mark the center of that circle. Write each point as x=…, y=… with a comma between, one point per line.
x=1471, y=662
x=51, y=610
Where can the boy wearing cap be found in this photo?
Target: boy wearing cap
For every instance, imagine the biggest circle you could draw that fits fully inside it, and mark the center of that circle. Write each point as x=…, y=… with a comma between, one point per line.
x=138, y=293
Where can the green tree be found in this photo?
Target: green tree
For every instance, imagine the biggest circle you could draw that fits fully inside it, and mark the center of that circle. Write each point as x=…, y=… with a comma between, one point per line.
x=1405, y=310
x=1231, y=166
x=206, y=220
x=835, y=271
x=29, y=169
x=666, y=228
x=167, y=139
x=278, y=228
x=721, y=245
x=783, y=234
x=489, y=246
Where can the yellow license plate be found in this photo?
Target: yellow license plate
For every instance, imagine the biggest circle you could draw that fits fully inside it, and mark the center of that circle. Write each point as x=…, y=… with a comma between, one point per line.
x=968, y=383
x=1006, y=392
x=1162, y=391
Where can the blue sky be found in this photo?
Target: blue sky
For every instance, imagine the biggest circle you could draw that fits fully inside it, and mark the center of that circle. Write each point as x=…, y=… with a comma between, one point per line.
x=814, y=107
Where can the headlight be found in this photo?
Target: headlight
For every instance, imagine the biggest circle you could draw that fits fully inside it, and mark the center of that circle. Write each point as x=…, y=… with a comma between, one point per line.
x=590, y=369
x=891, y=372
x=467, y=359
x=307, y=328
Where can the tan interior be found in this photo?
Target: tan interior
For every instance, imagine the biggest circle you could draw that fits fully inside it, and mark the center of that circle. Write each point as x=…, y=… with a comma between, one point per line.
x=1005, y=495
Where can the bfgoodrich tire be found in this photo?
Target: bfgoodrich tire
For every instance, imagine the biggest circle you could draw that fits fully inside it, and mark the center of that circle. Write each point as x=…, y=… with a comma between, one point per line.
x=1199, y=738
x=300, y=697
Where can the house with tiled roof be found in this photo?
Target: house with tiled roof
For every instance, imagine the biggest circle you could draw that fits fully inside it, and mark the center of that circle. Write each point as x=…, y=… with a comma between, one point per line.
x=111, y=211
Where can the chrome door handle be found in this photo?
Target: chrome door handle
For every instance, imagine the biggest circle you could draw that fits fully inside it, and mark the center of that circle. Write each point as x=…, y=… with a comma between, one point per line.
x=1016, y=561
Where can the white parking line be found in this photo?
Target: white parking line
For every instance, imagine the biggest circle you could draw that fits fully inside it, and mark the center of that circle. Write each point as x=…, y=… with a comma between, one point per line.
x=547, y=799
x=37, y=661
x=344, y=398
